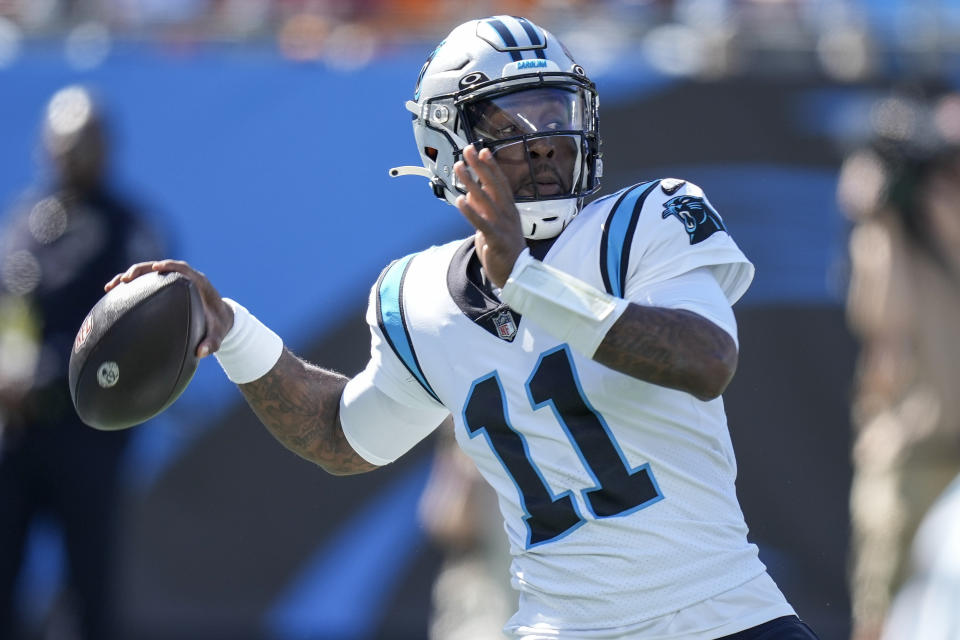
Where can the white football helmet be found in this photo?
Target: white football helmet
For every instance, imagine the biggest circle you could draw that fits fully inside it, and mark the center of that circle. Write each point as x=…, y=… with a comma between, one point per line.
x=508, y=85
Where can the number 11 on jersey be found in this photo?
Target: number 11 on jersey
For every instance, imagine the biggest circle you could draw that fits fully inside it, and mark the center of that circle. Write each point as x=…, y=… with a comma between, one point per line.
x=619, y=489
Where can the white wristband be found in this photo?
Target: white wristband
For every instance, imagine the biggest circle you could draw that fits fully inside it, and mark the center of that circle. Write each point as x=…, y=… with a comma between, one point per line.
x=567, y=307
x=250, y=349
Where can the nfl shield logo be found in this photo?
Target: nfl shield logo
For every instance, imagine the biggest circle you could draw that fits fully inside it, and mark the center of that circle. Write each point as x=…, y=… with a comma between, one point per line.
x=506, y=328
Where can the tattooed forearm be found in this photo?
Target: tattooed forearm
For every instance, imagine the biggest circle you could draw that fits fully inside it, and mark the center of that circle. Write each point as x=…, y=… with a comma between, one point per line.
x=671, y=348
x=300, y=405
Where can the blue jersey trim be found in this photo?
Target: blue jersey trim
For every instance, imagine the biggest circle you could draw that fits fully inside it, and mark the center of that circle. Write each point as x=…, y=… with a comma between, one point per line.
x=618, y=235
x=393, y=322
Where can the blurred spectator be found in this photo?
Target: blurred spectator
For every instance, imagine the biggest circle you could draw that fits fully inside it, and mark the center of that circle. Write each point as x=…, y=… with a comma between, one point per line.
x=926, y=607
x=56, y=250
x=903, y=195
x=848, y=40
x=472, y=598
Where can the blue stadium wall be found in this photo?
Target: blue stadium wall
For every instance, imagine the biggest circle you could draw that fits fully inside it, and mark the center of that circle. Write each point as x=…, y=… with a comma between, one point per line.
x=271, y=177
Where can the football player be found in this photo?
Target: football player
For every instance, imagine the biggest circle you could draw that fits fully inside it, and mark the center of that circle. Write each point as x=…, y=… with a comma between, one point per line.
x=581, y=351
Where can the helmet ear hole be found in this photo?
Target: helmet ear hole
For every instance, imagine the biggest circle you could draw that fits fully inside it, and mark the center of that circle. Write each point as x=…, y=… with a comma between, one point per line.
x=431, y=153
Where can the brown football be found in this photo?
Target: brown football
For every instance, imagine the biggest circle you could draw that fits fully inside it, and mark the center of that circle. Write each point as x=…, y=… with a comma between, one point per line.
x=135, y=352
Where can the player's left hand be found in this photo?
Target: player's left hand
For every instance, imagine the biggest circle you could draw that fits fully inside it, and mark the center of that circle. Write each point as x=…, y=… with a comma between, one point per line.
x=489, y=207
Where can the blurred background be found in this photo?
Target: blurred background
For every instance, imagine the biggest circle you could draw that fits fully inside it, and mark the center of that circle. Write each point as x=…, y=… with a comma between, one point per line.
x=256, y=136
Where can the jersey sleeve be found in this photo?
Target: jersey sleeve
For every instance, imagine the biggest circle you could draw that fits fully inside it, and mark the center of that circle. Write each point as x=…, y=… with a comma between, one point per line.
x=661, y=229
x=386, y=410
x=697, y=291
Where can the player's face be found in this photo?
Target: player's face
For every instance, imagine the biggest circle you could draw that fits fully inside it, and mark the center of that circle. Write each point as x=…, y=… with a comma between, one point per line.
x=541, y=165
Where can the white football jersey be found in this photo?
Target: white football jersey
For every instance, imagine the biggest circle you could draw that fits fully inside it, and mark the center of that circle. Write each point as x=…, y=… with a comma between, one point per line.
x=617, y=495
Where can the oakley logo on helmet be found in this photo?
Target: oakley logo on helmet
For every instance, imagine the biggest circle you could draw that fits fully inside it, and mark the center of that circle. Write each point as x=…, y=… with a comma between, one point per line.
x=473, y=78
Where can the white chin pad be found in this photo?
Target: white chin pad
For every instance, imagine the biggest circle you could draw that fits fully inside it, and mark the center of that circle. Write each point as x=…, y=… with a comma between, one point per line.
x=546, y=218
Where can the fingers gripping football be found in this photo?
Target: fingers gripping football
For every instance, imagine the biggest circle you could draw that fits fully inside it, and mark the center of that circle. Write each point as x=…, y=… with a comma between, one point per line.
x=489, y=207
x=219, y=316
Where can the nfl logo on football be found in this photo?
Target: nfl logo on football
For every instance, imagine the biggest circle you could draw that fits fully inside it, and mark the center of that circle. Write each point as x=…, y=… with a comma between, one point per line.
x=506, y=328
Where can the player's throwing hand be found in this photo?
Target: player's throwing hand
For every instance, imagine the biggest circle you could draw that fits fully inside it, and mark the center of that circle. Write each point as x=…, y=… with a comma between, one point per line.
x=219, y=315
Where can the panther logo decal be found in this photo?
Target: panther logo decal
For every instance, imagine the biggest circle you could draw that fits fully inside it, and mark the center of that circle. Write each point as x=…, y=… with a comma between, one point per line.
x=699, y=219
